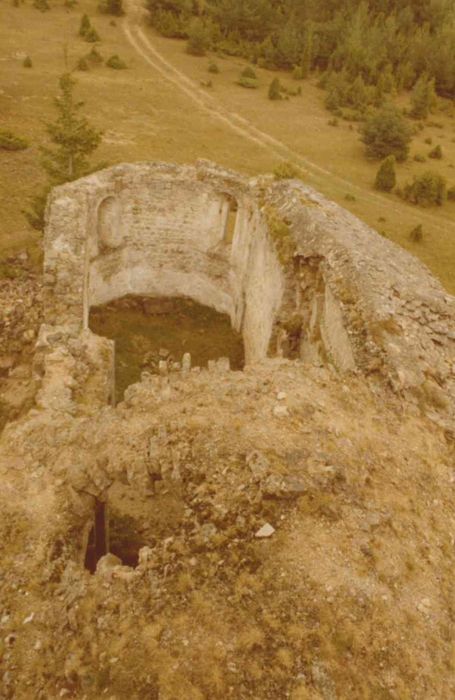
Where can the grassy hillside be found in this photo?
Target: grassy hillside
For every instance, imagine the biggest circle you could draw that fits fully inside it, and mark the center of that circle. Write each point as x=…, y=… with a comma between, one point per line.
x=145, y=116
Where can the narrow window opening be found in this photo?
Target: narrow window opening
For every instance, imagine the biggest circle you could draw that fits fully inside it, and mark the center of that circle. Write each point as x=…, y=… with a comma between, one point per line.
x=231, y=221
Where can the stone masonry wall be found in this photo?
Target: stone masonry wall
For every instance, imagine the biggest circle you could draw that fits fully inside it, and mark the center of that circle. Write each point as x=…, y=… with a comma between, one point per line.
x=298, y=275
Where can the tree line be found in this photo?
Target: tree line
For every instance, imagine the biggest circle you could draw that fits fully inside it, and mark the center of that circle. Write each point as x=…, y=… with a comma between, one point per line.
x=380, y=42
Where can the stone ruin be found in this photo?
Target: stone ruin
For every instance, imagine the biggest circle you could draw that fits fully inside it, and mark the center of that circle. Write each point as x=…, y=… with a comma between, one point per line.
x=327, y=463
x=298, y=276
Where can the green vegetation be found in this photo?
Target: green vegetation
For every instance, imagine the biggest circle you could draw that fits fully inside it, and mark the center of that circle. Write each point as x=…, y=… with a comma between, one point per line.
x=198, y=39
x=116, y=62
x=281, y=235
x=423, y=97
x=87, y=32
x=427, y=190
x=287, y=171
x=248, y=79
x=41, y=5
x=386, y=177
x=111, y=7
x=275, y=90
x=416, y=234
x=72, y=139
x=386, y=133
x=436, y=153
x=386, y=44
x=147, y=117
x=11, y=142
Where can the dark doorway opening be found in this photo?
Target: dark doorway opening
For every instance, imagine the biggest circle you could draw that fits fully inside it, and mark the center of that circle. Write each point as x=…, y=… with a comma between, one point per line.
x=98, y=544
x=147, y=330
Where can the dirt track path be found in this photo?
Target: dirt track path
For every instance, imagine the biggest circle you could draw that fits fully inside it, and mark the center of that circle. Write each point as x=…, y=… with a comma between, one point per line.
x=143, y=46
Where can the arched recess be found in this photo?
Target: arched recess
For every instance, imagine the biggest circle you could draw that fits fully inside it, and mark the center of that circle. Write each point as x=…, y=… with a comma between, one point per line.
x=109, y=225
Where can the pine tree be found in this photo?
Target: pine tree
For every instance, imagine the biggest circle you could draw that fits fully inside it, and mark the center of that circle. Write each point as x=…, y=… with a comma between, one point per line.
x=275, y=90
x=85, y=25
x=73, y=138
x=423, y=97
x=386, y=177
x=73, y=141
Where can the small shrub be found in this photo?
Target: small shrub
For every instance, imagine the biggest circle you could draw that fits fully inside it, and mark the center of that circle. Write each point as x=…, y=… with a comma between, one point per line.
x=213, y=68
x=94, y=56
x=281, y=236
x=27, y=62
x=350, y=197
x=11, y=142
x=84, y=26
x=416, y=235
x=333, y=122
x=116, y=62
x=427, y=189
x=287, y=171
x=386, y=177
x=451, y=194
x=419, y=158
x=82, y=64
x=248, y=72
x=111, y=7
x=249, y=83
x=275, y=90
x=429, y=140
x=92, y=36
x=41, y=5
x=298, y=73
x=436, y=153
x=69, y=4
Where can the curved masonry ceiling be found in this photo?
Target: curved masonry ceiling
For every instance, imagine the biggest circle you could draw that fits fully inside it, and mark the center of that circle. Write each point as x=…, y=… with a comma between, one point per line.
x=297, y=275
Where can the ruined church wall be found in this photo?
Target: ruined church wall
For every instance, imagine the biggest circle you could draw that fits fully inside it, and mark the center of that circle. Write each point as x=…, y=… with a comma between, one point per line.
x=156, y=230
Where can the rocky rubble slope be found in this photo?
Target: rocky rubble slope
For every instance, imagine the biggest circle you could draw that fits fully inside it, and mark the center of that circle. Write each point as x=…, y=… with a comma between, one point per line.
x=295, y=533
x=20, y=319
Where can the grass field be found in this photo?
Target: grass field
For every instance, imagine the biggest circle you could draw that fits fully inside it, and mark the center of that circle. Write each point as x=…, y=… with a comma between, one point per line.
x=146, y=116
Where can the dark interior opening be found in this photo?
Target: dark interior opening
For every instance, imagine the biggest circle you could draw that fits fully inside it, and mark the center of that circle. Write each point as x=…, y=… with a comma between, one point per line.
x=147, y=330
x=131, y=520
x=98, y=544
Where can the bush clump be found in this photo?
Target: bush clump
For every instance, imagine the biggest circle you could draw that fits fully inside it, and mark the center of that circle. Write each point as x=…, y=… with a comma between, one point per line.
x=116, y=62
x=94, y=56
x=213, y=68
x=275, y=90
x=41, y=5
x=416, y=235
x=87, y=32
x=82, y=64
x=386, y=178
x=451, y=194
x=287, y=171
x=111, y=7
x=27, y=63
x=386, y=133
x=11, y=142
x=428, y=189
x=198, y=39
x=436, y=153
x=249, y=83
x=249, y=72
